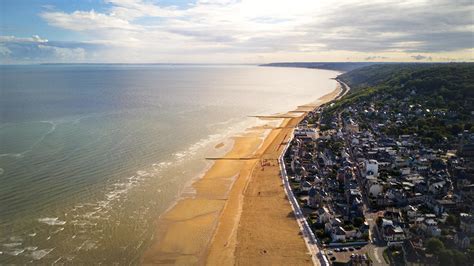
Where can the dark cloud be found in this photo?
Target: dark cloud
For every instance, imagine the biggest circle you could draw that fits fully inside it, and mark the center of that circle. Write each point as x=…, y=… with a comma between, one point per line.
x=435, y=26
x=375, y=57
x=421, y=57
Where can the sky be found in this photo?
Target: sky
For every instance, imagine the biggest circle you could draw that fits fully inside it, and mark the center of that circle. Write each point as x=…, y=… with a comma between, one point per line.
x=233, y=31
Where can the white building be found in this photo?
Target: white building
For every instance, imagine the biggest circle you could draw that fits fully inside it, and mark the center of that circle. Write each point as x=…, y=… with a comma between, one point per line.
x=371, y=168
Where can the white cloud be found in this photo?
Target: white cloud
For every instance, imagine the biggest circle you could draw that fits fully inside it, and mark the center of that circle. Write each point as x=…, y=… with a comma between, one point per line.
x=37, y=50
x=65, y=54
x=32, y=39
x=87, y=20
x=229, y=30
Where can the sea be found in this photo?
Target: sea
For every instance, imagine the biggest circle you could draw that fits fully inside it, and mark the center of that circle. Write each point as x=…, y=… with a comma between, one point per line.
x=91, y=155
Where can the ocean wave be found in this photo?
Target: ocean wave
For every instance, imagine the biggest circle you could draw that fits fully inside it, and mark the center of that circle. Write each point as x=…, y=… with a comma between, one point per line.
x=51, y=221
x=222, y=134
x=14, y=155
x=15, y=252
x=16, y=239
x=86, y=217
x=40, y=139
x=39, y=254
x=12, y=245
x=50, y=131
x=87, y=245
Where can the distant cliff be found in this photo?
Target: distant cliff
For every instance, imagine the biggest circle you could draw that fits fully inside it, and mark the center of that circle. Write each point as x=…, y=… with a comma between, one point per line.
x=339, y=66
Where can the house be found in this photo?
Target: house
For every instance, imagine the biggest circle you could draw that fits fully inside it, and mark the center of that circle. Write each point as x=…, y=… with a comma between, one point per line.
x=370, y=168
x=338, y=234
x=443, y=205
x=352, y=126
x=467, y=223
x=393, y=214
x=332, y=223
x=312, y=200
x=405, y=171
x=430, y=227
x=417, y=198
x=412, y=212
x=306, y=133
x=392, y=232
x=437, y=187
x=462, y=240
x=375, y=188
x=305, y=186
x=323, y=215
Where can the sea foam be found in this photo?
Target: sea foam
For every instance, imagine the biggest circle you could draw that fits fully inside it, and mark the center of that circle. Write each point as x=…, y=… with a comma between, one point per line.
x=51, y=221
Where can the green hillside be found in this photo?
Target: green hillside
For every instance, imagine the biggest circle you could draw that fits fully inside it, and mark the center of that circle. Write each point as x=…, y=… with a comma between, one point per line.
x=443, y=94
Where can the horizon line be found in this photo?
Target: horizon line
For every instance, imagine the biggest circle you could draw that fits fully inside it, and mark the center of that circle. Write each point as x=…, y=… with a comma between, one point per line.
x=250, y=64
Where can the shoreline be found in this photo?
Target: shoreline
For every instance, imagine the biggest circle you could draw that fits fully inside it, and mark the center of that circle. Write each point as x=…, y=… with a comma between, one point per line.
x=243, y=237
x=210, y=220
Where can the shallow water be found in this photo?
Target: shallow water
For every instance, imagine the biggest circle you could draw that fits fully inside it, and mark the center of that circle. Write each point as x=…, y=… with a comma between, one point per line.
x=91, y=155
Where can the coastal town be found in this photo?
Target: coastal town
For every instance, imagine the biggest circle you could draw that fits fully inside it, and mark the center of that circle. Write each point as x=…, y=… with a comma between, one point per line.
x=372, y=194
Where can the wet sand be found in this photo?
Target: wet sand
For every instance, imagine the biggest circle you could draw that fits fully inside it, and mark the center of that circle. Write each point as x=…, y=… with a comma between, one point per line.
x=219, y=145
x=257, y=225
x=240, y=214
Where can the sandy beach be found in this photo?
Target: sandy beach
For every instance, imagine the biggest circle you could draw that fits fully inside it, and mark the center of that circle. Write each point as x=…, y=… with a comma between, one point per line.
x=240, y=213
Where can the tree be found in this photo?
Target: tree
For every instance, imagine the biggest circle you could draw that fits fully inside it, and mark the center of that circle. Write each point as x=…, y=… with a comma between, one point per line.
x=459, y=258
x=456, y=129
x=445, y=258
x=320, y=233
x=452, y=257
x=452, y=220
x=434, y=245
x=379, y=221
x=358, y=221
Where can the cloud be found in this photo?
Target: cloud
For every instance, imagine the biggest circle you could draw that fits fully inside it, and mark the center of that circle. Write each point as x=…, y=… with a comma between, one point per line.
x=32, y=39
x=64, y=54
x=37, y=50
x=228, y=29
x=375, y=57
x=421, y=57
x=86, y=20
x=419, y=26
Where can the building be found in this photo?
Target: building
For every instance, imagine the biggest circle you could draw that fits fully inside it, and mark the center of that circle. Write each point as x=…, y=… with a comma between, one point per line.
x=391, y=232
x=467, y=223
x=462, y=240
x=352, y=126
x=371, y=168
x=338, y=234
x=430, y=226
